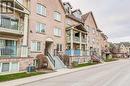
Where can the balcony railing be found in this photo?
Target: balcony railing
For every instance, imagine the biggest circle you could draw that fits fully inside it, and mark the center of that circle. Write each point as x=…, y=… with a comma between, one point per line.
x=13, y=51
x=11, y=25
x=76, y=39
x=18, y=30
x=72, y=52
x=84, y=40
x=76, y=53
x=8, y=51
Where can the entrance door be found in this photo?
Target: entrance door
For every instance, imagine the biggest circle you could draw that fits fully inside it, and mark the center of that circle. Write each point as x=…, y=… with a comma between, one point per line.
x=48, y=47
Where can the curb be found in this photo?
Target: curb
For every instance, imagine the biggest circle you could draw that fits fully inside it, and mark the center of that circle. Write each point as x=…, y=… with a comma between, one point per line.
x=50, y=75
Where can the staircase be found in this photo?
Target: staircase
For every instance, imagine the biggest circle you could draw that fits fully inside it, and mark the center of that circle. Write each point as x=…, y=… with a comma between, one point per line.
x=97, y=58
x=55, y=62
x=58, y=63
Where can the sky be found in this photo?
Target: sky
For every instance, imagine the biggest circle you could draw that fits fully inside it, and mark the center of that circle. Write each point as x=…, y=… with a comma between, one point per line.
x=112, y=16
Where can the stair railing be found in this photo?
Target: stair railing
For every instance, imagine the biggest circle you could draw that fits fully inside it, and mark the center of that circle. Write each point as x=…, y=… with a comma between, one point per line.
x=50, y=57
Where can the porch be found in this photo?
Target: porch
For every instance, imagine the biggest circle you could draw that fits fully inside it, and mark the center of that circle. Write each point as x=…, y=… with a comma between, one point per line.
x=76, y=41
x=76, y=53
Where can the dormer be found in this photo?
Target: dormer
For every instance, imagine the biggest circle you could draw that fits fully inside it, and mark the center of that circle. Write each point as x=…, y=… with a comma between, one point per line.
x=68, y=7
x=77, y=13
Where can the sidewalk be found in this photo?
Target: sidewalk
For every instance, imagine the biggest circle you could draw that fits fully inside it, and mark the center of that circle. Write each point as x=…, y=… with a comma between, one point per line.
x=49, y=75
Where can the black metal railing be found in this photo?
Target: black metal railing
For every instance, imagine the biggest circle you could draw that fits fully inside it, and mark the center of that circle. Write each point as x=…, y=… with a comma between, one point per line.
x=50, y=57
x=56, y=53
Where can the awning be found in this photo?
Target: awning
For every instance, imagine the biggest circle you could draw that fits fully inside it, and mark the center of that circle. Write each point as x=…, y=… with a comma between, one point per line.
x=49, y=40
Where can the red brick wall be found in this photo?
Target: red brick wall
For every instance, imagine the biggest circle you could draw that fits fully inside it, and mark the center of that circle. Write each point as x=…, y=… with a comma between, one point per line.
x=23, y=62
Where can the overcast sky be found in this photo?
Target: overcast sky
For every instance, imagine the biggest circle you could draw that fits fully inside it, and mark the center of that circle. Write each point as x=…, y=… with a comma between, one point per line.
x=112, y=16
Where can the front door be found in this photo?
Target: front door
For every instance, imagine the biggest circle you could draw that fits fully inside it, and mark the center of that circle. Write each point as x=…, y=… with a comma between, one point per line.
x=48, y=47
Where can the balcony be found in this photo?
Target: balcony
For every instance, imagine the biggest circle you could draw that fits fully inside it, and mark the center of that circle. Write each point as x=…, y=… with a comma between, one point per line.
x=10, y=26
x=11, y=31
x=75, y=39
x=8, y=51
x=76, y=53
x=84, y=40
x=12, y=51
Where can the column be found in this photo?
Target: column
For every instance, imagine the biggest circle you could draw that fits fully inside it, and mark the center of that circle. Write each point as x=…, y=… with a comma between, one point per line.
x=86, y=45
x=26, y=17
x=80, y=36
x=24, y=48
x=71, y=45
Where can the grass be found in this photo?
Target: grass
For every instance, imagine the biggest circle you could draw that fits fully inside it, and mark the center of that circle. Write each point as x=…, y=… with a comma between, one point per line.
x=85, y=64
x=17, y=76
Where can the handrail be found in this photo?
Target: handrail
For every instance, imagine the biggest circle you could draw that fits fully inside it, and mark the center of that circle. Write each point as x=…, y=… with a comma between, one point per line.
x=51, y=58
x=59, y=55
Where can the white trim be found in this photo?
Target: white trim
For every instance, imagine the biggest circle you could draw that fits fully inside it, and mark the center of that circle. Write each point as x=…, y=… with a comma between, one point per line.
x=8, y=38
x=18, y=66
x=0, y=67
x=10, y=66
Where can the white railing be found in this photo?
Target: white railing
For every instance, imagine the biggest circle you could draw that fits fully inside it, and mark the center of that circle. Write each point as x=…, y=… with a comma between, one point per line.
x=76, y=39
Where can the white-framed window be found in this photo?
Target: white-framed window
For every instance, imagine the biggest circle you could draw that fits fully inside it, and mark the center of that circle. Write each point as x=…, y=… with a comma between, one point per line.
x=59, y=47
x=57, y=16
x=5, y=67
x=35, y=46
x=40, y=27
x=57, y=31
x=41, y=9
x=9, y=67
x=14, y=67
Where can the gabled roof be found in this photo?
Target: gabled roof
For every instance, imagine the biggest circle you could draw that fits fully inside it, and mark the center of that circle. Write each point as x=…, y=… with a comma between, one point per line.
x=74, y=18
x=126, y=44
x=62, y=5
x=104, y=36
x=99, y=30
x=78, y=27
x=85, y=16
x=77, y=10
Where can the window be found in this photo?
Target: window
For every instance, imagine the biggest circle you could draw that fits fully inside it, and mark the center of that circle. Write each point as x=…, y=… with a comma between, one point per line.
x=57, y=31
x=41, y=9
x=14, y=67
x=5, y=67
x=40, y=27
x=59, y=47
x=14, y=24
x=9, y=67
x=35, y=46
x=9, y=23
x=57, y=16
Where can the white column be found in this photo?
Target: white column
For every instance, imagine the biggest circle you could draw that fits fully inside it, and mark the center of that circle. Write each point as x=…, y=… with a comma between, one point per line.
x=71, y=45
x=24, y=49
x=26, y=17
x=80, y=36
